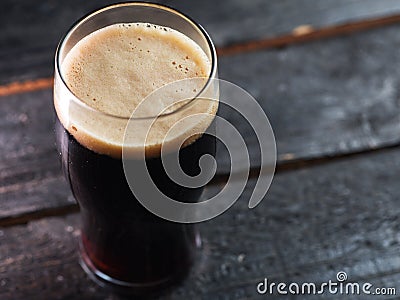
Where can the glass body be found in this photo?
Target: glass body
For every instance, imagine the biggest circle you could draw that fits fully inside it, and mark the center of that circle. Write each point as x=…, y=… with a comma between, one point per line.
x=123, y=245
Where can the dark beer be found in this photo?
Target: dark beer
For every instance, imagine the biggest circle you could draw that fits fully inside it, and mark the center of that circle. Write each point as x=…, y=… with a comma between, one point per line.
x=100, y=81
x=120, y=237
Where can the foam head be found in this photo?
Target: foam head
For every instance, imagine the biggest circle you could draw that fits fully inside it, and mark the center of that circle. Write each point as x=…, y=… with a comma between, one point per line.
x=112, y=70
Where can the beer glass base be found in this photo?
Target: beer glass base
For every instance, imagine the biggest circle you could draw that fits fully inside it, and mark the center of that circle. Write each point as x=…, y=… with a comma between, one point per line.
x=129, y=288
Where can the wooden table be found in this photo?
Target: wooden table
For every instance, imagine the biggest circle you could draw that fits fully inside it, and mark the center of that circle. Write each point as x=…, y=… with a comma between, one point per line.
x=331, y=90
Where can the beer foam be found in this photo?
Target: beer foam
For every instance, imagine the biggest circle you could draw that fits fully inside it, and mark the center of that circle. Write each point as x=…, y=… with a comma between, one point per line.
x=114, y=68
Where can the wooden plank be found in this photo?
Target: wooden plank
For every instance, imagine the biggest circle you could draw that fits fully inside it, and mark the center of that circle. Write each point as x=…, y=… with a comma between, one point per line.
x=27, y=53
x=237, y=21
x=30, y=172
x=340, y=216
x=325, y=98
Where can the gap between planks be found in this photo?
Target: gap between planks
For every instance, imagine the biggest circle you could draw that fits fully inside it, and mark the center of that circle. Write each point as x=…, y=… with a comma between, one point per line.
x=301, y=163
x=300, y=34
x=221, y=179
x=25, y=218
x=306, y=33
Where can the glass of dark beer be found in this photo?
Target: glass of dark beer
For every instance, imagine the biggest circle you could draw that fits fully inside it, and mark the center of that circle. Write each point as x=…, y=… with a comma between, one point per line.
x=106, y=64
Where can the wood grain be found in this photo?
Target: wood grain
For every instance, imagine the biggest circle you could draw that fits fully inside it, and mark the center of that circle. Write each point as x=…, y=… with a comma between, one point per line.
x=313, y=223
x=19, y=87
x=324, y=98
x=30, y=174
x=235, y=21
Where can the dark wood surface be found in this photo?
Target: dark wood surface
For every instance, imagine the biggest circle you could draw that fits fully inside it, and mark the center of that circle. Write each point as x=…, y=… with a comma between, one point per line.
x=333, y=104
x=342, y=216
x=325, y=97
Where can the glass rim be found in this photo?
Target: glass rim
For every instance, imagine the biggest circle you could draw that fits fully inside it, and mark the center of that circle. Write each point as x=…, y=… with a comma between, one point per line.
x=166, y=8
